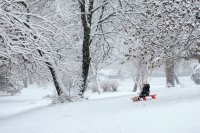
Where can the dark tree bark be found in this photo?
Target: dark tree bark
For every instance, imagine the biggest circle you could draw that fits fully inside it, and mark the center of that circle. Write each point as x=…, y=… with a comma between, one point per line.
x=86, y=23
x=55, y=79
x=53, y=73
x=87, y=10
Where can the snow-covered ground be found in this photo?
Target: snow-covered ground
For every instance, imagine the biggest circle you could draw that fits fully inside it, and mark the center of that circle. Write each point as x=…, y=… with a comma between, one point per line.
x=176, y=110
x=30, y=98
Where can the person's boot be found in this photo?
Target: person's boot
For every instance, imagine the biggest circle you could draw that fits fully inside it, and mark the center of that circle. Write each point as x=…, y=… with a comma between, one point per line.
x=138, y=99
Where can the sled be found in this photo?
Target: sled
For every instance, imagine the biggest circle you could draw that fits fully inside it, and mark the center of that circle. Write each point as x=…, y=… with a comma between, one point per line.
x=152, y=96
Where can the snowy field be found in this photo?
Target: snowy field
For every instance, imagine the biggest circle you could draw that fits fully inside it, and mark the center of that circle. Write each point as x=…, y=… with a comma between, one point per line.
x=30, y=98
x=176, y=110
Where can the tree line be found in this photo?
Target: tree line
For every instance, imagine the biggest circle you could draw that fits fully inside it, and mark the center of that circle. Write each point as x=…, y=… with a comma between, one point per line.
x=66, y=41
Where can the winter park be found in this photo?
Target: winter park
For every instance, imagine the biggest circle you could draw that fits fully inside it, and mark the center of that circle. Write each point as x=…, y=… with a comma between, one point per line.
x=99, y=66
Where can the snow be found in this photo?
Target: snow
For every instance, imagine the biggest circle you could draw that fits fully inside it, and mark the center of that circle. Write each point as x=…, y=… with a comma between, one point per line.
x=30, y=98
x=175, y=110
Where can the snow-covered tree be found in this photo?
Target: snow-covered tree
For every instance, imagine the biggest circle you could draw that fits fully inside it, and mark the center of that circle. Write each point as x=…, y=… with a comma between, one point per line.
x=33, y=37
x=164, y=30
x=97, y=17
x=196, y=75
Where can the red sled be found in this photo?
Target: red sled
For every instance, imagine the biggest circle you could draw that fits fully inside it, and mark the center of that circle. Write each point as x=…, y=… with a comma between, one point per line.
x=152, y=96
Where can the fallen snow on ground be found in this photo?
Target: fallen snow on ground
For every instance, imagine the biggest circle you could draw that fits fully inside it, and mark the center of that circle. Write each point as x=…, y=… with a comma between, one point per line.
x=30, y=98
x=176, y=110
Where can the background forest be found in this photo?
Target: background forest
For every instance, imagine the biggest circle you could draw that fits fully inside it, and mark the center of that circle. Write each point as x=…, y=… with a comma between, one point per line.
x=72, y=43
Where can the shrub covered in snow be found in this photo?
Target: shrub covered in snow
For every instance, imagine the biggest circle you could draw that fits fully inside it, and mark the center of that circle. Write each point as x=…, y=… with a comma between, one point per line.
x=114, y=85
x=93, y=87
x=105, y=85
x=109, y=85
x=196, y=75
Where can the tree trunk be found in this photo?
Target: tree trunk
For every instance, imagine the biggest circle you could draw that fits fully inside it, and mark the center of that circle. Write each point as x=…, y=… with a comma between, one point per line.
x=25, y=82
x=176, y=78
x=136, y=83
x=30, y=78
x=96, y=79
x=169, y=66
x=54, y=76
x=55, y=79
x=86, y=60
x=86, y=23
x=141, y=75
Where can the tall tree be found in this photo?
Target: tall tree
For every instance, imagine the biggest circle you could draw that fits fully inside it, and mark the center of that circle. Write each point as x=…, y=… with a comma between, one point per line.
x=96, y=16
x=31, y=37
x=165, y=29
